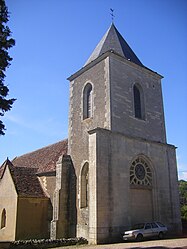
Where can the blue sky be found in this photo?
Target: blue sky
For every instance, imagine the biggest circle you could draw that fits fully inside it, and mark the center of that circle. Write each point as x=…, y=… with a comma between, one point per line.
x=55, y=38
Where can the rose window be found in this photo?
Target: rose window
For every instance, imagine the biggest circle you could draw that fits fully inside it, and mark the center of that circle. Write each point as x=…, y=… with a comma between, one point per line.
x=140, y=173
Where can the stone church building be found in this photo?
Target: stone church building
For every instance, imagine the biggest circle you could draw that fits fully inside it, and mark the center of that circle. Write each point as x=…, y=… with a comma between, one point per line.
x=116, y=168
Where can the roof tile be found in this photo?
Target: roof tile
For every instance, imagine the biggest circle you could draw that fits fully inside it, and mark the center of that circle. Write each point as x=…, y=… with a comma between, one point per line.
x=24, y=169
x=43, y=159
x=26, y=182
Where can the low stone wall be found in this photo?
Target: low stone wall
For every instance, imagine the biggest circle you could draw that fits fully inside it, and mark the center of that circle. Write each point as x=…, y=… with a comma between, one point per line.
x=46, y=243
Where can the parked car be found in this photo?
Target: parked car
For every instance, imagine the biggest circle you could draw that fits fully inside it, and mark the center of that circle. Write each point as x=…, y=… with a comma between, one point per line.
x=145, y=230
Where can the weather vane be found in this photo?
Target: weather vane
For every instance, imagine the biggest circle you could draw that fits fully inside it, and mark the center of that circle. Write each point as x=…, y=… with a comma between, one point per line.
x=112, y=14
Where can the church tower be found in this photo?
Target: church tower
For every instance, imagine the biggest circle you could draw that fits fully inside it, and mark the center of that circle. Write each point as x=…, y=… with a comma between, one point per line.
x=125, y=171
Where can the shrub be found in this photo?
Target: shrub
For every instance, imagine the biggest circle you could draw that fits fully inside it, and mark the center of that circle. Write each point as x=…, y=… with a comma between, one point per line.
x=46, y=243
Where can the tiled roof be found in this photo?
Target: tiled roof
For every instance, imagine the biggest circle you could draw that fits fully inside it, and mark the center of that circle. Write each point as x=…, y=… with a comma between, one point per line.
x=24, y=169
x=25, y=180
x=113, y=40
x=44, y=159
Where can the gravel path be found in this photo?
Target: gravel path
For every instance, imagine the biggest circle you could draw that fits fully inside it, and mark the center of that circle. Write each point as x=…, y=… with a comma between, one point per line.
x=153, y=244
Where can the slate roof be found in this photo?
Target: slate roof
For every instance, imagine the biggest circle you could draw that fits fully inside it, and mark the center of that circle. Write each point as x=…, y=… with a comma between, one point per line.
x=44, y=159
x=113, y=41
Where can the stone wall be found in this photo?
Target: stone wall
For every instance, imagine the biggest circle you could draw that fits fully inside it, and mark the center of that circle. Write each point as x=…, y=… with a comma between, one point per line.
x=48, y=183
x=64, y=220
x=78, y=146
x=33, y=213
x=116, y=138
x=115, y=209
x=123, y=75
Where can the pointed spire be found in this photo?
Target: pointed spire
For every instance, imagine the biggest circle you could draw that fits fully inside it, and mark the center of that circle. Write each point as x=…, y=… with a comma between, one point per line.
x=113, y=40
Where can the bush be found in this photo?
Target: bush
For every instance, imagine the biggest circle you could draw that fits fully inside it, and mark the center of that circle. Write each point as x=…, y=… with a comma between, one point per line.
x=46, y=243
x=184, y=212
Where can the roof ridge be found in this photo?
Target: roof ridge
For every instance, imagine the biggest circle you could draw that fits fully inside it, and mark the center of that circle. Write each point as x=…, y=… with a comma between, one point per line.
x=131, y=53
x=113, y=40
x=39, y=149
x=7, y=162
x=44, y=159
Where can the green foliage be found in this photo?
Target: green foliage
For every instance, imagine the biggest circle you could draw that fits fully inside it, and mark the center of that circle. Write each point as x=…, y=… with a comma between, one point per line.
x=184, y=212
x=183, y=188
x=183, y=198
x=5, y=44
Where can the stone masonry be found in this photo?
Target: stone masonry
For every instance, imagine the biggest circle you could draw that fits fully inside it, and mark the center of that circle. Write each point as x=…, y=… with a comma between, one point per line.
x=117, y=145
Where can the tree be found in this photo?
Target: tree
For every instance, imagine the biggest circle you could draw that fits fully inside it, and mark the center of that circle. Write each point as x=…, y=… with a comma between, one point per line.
x=5, y=44
x=184, y=212
x=183, y=198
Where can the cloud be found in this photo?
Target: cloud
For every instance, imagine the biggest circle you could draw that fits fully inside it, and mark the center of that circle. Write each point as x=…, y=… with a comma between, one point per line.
x=14, y=119
x=182, y=171
x=182, y=175
x=45, y=126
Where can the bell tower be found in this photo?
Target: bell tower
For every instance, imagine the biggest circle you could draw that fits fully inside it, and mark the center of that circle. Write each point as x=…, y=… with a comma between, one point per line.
x=127, y=97
x=117, y=142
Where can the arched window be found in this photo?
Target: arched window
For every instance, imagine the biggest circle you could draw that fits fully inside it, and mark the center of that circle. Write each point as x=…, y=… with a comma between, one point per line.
x=84, y=186
x=87, y=101
x=138, y=101
x=140, y=173
x=3, y=218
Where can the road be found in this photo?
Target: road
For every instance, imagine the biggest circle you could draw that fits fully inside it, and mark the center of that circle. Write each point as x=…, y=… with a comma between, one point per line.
x=152, y=244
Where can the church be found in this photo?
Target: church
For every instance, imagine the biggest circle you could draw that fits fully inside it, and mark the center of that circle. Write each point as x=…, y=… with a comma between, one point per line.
x=115, y=169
